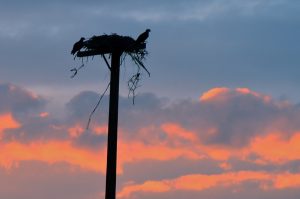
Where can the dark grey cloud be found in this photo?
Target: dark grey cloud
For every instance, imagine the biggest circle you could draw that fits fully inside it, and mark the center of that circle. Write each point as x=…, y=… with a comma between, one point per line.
x=18, y=100
x=148, y=109
x=38, y=129
x=159, y=170
x=91, y=140
x=26, y=107
x=81, y=105
x=235, y=119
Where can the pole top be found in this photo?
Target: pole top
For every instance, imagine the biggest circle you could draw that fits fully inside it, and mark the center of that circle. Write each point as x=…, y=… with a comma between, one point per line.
x=106, y=44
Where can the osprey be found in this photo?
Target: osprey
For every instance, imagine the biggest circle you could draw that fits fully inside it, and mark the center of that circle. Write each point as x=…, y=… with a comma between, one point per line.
x=142, y=37
x=77, y=46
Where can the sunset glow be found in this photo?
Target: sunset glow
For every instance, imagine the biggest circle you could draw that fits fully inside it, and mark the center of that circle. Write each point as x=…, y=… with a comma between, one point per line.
x=165, y=143
x=203, y=182
x=51, y=152
x=208, y=103
x=7, y=122
x=213, y=93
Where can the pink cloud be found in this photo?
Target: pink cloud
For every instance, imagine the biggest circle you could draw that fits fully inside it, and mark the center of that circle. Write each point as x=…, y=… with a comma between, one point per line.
x=200, y=182
x=7, y=121
x=226, y=127
x=276, y=148
x=224, y=93
x=214, y=93
x=51, y=152
x=175, y=131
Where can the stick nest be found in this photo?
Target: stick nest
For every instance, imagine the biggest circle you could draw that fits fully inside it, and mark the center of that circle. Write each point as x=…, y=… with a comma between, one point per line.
x=106, y=44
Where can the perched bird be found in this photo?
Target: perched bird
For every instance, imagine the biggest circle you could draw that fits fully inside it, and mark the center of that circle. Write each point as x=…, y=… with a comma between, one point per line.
x=77, y=46
x=142, y=37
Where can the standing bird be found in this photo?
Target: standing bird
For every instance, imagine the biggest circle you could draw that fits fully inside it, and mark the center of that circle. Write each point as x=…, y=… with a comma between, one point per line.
x=142, y=37
x=77, y=46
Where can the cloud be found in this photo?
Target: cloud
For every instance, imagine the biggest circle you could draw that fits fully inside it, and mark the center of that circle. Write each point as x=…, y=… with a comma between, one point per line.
x=51, y=152
x=148, y=107
x=7, y=122
x=223, y=124
x=158, y=151
x=245, y=40
x=234, y=116
x=18, y=100
x=214, y=93
x=276, y=148
x=84, y=157
x=199, y=182
x=36, y=180
x=239, y=136
x=174, y=131
x=81, y=105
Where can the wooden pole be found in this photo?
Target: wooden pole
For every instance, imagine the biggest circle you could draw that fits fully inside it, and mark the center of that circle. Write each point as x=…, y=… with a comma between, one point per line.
x=111, y=168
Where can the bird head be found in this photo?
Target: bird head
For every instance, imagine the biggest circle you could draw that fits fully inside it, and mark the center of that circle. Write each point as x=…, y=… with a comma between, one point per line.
x=82, y=38
x=148, y=30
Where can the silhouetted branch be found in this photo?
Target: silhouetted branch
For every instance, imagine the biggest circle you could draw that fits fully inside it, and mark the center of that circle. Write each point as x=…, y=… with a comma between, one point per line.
x=133, y=85
x=95, y=108
x=75, y=70
x=106, y=62
x=138, y=62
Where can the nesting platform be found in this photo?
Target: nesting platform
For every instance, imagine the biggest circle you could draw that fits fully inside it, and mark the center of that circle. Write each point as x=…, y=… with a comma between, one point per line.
x=106, y=44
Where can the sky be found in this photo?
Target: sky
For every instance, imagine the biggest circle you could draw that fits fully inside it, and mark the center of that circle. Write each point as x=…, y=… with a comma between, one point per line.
x=218, y=117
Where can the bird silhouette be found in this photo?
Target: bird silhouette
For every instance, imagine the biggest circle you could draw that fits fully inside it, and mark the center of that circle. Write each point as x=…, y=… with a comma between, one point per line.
x=77, y=46
x=142, y=37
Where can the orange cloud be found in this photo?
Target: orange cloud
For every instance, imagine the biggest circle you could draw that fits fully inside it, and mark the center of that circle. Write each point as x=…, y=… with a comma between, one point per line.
x=247, y=91
x=63, y=151
x=225, y=166
x=100, y=130
x=216, y=93
x=200, y=182
x=8, y=122
x=176, y=131
x=135, y=151
x=272, y=147
x=217, y=152
x=52, y=152
x=287, y=180
x=276, y=149
x=187, y=143
x=212, y=93
x=75, y=131
x=149, y=186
